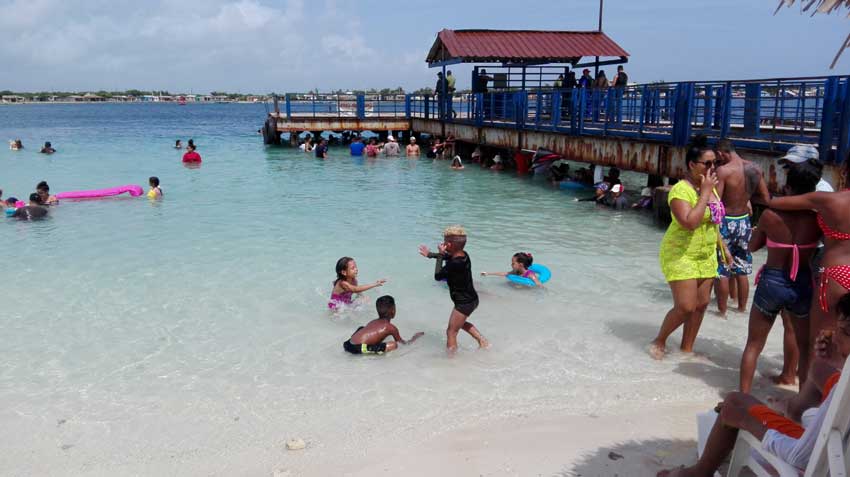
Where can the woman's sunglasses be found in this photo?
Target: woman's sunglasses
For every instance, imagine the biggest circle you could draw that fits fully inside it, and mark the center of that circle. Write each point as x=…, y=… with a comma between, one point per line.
x=708, y=164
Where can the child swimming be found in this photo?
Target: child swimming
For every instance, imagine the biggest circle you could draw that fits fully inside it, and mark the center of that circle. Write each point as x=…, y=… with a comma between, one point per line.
x=155, y=192
x=520, y=263
x=345, y=285
x=369, y=339
x=458, y=273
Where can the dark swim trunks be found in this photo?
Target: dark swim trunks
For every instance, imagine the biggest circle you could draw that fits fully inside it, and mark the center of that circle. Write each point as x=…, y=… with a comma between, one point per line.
x=352, y=348
x=776, y=292
x=466, y=308
x=736, y=232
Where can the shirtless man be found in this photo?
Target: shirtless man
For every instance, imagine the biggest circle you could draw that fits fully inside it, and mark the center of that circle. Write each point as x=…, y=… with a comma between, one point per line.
x=412, y=148
x=738, y=182
x=369, y=339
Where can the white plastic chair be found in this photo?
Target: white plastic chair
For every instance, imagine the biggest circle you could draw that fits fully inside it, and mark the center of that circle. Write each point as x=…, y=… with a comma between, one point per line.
x=830, y=454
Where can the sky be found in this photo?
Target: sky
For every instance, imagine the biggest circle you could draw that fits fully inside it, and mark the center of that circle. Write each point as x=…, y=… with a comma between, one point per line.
x=263, y=46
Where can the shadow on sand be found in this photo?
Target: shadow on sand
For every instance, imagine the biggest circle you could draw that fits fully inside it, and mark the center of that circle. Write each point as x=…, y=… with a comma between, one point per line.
x=634, y=459
x=715, y=362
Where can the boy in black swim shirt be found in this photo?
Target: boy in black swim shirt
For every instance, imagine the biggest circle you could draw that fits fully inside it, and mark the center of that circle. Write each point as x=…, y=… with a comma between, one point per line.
x=457, y=271
x=369, y=339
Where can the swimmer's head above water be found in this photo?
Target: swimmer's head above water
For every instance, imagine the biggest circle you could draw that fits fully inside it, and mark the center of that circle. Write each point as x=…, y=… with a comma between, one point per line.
x=346, y=269
x=386, y=307
x=521, y=261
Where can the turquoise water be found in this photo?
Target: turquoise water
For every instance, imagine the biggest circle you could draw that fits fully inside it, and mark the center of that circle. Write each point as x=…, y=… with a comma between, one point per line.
x=191, y=335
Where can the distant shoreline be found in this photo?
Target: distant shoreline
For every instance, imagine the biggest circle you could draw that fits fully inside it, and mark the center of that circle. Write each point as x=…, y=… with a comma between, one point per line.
x=128, y=102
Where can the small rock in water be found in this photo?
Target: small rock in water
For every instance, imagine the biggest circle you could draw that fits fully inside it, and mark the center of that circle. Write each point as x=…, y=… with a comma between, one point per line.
x=296, y=444
x=67, y=446
x=614, y=456
x=60, y=422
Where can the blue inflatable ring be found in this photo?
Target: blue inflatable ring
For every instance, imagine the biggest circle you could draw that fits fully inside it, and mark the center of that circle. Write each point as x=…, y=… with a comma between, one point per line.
x=543, y=274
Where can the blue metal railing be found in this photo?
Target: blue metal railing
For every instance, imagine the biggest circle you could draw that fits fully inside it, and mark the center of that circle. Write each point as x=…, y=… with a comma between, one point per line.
x=771, y=114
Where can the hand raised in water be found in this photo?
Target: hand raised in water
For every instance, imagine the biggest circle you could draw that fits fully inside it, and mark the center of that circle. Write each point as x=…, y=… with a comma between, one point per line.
x=424, y=251
x=380, y=282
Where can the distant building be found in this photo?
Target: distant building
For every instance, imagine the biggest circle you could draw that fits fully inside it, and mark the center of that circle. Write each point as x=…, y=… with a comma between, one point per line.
x=11, y=98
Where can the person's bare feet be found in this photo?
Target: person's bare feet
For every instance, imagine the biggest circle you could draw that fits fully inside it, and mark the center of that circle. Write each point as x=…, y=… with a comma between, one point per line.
x=677, y=472
x=783, y=380
x=656, y=351
x=720, y=314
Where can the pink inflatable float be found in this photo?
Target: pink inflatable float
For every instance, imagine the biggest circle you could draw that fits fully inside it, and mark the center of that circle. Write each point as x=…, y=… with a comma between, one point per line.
x=134, y=191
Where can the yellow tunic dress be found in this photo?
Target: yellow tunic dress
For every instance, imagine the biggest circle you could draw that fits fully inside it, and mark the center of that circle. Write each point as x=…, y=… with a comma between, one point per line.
x=688, y=254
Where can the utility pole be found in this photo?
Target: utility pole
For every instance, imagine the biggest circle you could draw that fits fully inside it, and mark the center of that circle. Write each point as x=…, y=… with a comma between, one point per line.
x=599, y=29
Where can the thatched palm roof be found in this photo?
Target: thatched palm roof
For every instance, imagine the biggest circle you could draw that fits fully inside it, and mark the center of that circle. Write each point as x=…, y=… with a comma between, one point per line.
x=823, y=6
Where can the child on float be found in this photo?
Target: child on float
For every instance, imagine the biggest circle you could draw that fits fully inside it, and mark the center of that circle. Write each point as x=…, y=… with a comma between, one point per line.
x=369, y=339
x=345, y=285
x=155, y=192
x=520, y=264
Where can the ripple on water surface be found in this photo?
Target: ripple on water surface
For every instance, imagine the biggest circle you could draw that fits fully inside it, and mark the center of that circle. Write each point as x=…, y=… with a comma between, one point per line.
x=197, y=326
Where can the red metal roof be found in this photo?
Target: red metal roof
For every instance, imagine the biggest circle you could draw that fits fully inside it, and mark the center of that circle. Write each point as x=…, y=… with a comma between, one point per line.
x=522, y=45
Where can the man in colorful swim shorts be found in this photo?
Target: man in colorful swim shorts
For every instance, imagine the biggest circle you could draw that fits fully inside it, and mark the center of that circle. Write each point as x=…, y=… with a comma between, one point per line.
x=369, y=339
x=738, y=182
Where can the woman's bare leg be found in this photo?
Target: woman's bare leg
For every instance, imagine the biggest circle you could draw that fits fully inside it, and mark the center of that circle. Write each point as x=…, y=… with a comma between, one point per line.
x=790, y=351
x=684, y=304
x=692, y=324
x=759, y=328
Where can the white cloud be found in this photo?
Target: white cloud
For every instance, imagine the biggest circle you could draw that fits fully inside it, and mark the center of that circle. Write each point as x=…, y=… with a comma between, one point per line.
x=191, y=45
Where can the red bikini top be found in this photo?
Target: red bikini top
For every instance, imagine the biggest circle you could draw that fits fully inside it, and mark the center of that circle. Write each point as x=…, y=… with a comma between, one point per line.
x=829, y=232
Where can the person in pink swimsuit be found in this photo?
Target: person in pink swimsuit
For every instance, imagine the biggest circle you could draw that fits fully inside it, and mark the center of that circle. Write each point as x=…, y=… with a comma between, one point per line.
x=833, y=217
x=520, y=263
x=345, y=285
x=784, y=284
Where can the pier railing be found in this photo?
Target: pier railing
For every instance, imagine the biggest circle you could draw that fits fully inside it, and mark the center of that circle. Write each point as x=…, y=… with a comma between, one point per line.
x=318, y=105
x=769, y=114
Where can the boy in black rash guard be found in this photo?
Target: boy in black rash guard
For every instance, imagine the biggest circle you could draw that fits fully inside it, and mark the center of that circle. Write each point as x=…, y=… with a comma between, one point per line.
x=457, y=271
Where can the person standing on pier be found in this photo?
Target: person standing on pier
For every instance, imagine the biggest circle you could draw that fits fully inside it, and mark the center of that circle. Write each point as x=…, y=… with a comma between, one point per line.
x=739, y=181
x=441, y=98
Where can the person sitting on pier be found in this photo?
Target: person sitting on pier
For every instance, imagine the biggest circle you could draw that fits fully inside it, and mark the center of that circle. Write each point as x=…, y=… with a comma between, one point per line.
x=391, y=148
x=47, y=149
x=412, y=148
x=191, y=157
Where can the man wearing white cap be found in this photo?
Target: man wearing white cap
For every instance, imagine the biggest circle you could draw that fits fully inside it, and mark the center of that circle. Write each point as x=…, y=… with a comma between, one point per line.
x=391, y=147
x=803, y=153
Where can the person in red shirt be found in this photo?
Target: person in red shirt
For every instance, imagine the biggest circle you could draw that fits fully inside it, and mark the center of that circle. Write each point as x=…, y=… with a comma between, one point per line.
x=191, y=155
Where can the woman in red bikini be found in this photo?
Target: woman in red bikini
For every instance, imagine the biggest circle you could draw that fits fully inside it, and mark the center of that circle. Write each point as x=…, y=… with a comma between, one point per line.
x=784, y=283
x=833, y=217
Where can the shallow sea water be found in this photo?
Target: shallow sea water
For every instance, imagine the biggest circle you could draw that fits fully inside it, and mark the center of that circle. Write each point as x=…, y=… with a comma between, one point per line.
x=191, y=335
